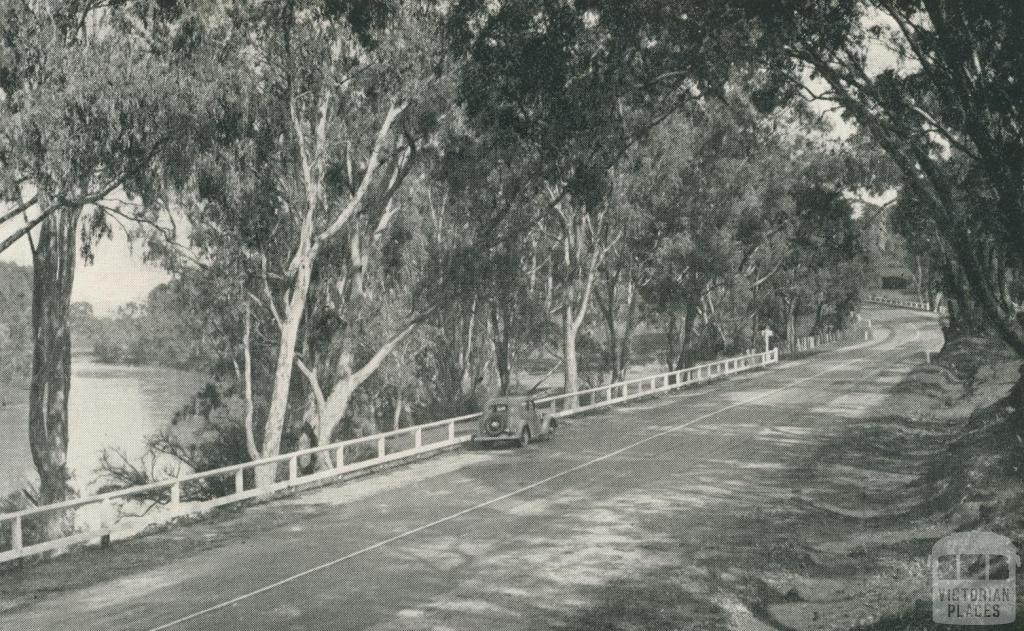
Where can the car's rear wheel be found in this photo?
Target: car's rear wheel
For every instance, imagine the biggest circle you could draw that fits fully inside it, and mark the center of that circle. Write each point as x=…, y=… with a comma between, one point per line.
x=524, y=436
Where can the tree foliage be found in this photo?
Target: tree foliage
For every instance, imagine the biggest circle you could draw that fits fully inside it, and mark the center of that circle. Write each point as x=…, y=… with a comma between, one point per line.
x=378, y=213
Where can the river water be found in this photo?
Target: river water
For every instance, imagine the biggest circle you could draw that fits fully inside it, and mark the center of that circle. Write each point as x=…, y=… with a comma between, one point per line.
x=110, y=406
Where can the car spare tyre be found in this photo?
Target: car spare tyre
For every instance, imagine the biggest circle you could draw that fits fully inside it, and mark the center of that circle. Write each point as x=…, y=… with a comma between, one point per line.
x=495, y=426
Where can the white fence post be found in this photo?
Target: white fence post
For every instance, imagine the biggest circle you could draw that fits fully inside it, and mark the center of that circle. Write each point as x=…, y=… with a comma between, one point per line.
x=106, y=521
x=612, y=391
x=17, y=543
x=175, y=505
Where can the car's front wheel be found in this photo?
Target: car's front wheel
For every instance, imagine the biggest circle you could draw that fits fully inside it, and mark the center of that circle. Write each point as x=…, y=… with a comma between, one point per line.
x=524, y=436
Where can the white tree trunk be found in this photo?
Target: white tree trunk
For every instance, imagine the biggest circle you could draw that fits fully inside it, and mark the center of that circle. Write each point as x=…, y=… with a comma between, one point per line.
x=274, y=427
x=336, y=405
x=569, y=367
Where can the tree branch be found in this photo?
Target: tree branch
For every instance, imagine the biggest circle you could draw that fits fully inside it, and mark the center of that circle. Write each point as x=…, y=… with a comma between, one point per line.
x=250, y=438
x=361, y=375
x=19, y=209
x=314, y=385
x=356, y=200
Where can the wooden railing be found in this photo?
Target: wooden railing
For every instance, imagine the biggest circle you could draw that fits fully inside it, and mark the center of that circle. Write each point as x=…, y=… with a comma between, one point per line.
x=811, y=342
x=904, y=304
x=97, y=517
x=605, y=395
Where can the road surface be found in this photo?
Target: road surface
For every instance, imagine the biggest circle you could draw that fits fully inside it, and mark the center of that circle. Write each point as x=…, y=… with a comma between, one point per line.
x=646, y=514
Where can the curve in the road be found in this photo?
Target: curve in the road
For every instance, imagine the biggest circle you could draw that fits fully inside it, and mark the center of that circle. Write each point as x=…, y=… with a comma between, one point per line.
x=453, y=516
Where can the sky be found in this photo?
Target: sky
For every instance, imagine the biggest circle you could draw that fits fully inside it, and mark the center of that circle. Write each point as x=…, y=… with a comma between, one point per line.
x=117, y=276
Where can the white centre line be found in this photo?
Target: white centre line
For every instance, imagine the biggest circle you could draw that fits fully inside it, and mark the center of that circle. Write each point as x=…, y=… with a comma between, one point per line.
x=466, y=511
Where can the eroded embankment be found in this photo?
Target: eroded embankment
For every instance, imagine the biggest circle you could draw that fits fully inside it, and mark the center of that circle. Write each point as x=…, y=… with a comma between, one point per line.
x=944, y=453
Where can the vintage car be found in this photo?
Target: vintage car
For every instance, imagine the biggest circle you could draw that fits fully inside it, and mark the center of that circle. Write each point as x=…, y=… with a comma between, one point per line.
x=507, y=419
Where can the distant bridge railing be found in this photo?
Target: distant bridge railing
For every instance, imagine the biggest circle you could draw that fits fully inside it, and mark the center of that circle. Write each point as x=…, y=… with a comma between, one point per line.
x=99, y=516
x=905, y=304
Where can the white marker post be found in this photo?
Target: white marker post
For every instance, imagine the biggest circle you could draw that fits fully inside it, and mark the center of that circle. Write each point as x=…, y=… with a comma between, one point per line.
x=768, y=333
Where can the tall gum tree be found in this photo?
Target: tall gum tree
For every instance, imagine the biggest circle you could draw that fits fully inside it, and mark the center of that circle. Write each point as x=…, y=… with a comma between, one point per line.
x=84, y=107
x=547, y=79
x=944, y=101
x=321, y=130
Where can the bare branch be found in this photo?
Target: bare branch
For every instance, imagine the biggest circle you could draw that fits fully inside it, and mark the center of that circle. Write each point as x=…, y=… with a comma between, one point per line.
x=19, y=209
x=314, y=384
x=356, y=200
x=266, y=290
x=250, y=438
x=361, y=375
x=27, y=229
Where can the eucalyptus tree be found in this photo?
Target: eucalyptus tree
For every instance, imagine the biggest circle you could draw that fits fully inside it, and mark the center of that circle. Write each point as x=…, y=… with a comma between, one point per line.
x=935, y=83
x=628, y=266
x=946, y=109
x=325, y=111
x=86, y=103
x=823, y=262
x=548, y=80
x=940, y=279
x=708, y=183
x=489, y=257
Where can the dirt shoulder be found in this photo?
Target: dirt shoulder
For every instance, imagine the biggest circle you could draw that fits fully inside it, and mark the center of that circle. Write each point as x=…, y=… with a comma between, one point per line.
x=941, y=454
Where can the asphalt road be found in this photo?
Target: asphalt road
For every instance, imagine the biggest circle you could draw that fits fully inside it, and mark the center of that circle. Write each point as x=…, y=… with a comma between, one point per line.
x=556, y=535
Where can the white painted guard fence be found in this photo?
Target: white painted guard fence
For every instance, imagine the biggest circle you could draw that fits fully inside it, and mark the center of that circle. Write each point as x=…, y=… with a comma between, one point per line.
x=905, y=304
x=129, y=511
x=811, y=342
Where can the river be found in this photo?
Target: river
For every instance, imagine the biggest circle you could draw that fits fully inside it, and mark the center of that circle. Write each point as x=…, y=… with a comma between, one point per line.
x=110, y=406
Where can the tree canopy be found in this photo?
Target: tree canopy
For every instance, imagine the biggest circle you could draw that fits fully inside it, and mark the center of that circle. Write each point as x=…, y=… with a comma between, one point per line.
x=376, y=213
